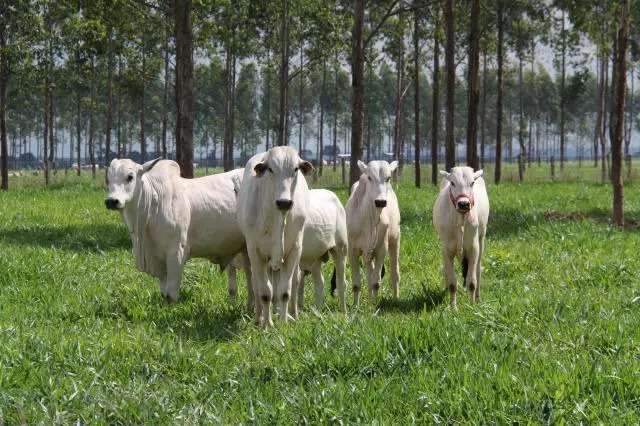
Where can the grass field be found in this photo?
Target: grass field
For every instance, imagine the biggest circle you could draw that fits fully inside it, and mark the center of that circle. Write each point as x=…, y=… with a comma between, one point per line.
x=84, y=337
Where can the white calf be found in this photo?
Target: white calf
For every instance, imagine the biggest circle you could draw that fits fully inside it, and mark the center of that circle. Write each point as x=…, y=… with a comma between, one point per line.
x=373, y=223
x=460, y=216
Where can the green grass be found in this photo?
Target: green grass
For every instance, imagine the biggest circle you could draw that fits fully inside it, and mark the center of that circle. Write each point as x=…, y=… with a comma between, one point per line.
x=556, y=338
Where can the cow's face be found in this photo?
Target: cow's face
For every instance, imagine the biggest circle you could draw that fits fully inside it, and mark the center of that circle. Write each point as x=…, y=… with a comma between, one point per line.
x=461, y=180
x=378, y=175
x=122, y=179
x=281, y=168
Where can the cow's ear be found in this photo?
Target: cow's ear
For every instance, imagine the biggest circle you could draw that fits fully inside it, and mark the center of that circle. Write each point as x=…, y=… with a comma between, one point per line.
x=478, y=174
x=362, y=166
x=445, y=174
x=150, y=164
x=260, y=168
x=306, y=167
x=393, y=166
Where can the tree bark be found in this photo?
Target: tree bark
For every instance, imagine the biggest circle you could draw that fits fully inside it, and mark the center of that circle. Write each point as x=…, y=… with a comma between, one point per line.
x=4, y=82
x=474, y=86
x=357, y=84
x=227, y=146
x=184, y=87
x=621, y=85
x=450, y=143
x=45, y=135
x=143, y=139
x=284, y=75
x=521, y=123
x=563, y=73
x=483, y=118
x=321, y=136
x=92, y=149
x=416, y=88
x=109, y=118
x=165, y=96
x=500, y=88
x=335, y=115
x=436, y=107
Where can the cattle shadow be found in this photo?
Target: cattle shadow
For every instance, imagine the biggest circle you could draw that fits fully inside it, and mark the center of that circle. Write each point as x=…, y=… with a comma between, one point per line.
x=507, y=222
x=426, y=300
x=202, y=324
x=77, y=238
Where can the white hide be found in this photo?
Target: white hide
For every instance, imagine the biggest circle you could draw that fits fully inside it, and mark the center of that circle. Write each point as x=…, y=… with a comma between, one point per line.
x=171, y=219
x=373, y=223
x=325, y=233
x=461, y=228
x=273, y=181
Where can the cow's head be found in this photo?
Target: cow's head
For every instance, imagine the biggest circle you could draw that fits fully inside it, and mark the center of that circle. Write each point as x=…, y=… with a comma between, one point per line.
x=122, y=179
x=281, y=168
x=378, y=174
x=461, y=180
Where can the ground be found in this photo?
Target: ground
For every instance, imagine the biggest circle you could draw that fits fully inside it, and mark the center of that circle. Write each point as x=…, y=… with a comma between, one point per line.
x=85, y=337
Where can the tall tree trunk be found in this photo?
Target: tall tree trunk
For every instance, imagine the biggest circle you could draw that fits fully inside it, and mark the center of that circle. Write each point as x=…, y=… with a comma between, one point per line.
x=143, y=139
x=483, y=119
x=563, y=73
x=450, y=143
x=397, y=129
x=436, y=105
x=621, y=85
x=357, y=95
x=521, y=122
x=300, y=96
x=165, y=95
x=416, y=92
x=109, y=118
x=227, y=147
x=184, y=87
x=474, y=86
x=321, y=137
x=92, y=148
x=603, y=125
x=4, y=82
x=45, y=135
x=335, y=114
x=500, y=88
x=284, y=75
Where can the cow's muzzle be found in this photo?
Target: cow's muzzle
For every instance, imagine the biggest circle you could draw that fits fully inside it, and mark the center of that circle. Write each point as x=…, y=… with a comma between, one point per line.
x=380, y=203
x=463, y=205
x=112, y=203
x=284, y=204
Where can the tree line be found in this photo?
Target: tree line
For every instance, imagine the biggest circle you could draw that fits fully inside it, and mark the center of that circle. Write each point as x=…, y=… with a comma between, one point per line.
x=216, y=78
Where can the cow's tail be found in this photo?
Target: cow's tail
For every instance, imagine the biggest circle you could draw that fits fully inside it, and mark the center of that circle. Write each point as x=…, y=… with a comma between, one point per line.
x=333, y=283
x=465, y=270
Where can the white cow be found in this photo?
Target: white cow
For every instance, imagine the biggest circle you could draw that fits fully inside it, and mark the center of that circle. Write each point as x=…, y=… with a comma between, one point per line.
x=460, y=216
x=373, y=223
x=272, y=208
x=325, y=232
x=171, y=219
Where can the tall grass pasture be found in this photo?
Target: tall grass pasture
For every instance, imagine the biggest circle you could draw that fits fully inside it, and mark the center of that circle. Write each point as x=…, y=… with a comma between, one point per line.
x=86, y=338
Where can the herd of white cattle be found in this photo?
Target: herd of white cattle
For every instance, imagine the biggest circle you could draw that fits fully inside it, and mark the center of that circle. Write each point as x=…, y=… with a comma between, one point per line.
x=265, y=220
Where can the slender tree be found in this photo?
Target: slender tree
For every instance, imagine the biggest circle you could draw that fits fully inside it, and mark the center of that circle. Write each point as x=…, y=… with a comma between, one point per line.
x=184, y=87
x=500, y=89
x=474, y=85
x=450, y=143
x=416, y=91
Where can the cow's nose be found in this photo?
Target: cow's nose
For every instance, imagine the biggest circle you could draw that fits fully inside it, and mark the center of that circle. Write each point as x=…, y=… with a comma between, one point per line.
x=380, y=203
x=284, y=204
x=111, y=203
x=464, y=205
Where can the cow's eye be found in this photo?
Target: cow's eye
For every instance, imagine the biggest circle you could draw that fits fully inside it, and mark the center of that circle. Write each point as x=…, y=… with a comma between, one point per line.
x=270, y=170
x=472, y=182
x=369, y=177
x=295, y=171
x=130, y=178
x=453, y=184
x=388, y=179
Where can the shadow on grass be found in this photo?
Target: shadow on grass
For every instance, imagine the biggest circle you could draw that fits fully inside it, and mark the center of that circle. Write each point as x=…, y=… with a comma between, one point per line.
x=428, y=299
x=204, y=325
x=80, y=238
x=598, y=215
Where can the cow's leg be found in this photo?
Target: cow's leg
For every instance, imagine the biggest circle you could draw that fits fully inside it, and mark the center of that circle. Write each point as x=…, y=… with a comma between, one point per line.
x=262, y=289
x=283, y=289
x=318, y=284
x=355, y=275
x=300, y=298
x=394, y=260
x=175, y=266
x=339, y=259
x=296, y=281
x=162, y=284
x=471, y=279
x=478, y=266
x=232, y=286
x=246, y=267
x=375, y=270
x=449, y=274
